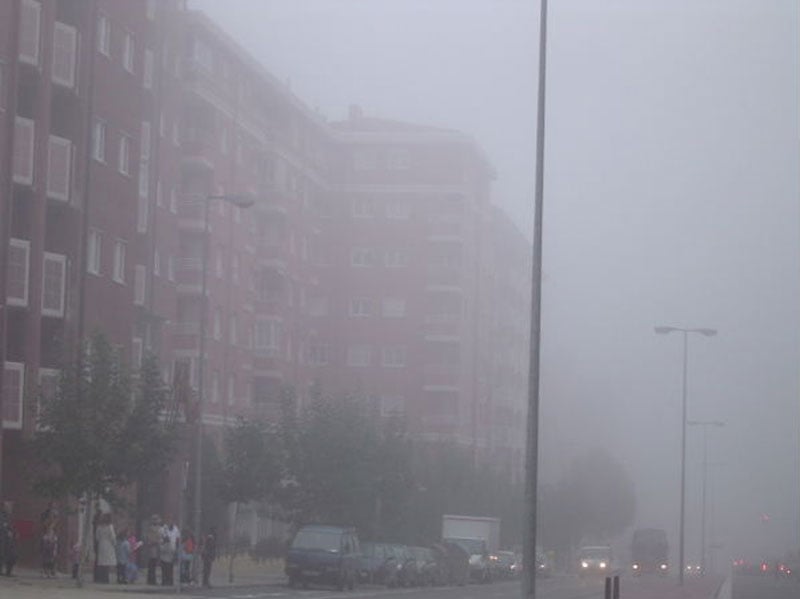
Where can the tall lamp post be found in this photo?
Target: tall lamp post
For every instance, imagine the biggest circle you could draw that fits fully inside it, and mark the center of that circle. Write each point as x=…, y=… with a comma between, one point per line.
x=240, y=201
x=665, y=330
x=705, y=424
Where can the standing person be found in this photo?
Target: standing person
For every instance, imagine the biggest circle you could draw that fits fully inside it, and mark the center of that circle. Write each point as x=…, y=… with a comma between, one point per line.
x=132, y=567
x=209, y=554
x=106, y=541
x=9, y=539
x=168, y=550
x=187, y=555
x=153, y=542
x=123, y=548
x=49, y=551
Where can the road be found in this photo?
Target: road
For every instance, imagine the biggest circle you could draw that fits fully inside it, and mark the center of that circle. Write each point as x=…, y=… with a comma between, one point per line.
x=765, y=587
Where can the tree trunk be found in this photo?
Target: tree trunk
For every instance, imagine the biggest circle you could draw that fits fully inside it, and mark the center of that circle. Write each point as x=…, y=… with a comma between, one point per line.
x=232, y=545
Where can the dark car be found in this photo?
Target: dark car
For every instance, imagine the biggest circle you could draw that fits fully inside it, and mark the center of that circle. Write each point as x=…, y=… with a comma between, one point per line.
x=406, y=566
x=430, y=570
x=503, y=564
x=378, y=564
x=454, y=561
x=324, y=555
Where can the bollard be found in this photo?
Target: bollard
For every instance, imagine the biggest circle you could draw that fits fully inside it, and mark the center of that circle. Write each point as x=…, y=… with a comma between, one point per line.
x=616, y=587
x=608, y=588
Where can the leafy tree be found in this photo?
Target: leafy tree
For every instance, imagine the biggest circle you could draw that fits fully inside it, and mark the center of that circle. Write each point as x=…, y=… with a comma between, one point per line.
x=595, y=499
x=252, y=469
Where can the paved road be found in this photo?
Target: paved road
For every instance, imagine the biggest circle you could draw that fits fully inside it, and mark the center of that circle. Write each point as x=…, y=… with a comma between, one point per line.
x=757, y=587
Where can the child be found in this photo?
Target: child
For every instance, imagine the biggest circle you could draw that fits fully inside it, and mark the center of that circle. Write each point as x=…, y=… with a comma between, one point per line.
x=132, y=569
x=49, y=548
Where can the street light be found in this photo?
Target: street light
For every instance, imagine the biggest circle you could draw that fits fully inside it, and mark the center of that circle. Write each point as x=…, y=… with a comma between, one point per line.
x=240, y=201
x=665, y=330
x=705, y=424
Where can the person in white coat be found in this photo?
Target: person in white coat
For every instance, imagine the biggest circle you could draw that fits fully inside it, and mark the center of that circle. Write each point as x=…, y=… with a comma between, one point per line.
x=106, y=540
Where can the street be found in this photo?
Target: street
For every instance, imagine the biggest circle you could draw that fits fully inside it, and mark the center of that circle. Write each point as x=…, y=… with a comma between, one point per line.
x=764, y=587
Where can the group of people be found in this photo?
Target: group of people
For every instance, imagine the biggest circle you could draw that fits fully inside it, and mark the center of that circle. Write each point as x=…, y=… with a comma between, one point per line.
x=166, y=547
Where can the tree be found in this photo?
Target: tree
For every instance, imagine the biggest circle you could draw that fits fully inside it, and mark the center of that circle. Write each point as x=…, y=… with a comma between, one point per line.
x=595, y=499
x=93, y=439
x=252, y=469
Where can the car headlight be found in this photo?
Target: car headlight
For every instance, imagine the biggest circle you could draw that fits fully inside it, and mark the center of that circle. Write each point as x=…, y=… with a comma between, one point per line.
x=603, y=565
x=635, y=566
x=663, y=566
x=584, y=564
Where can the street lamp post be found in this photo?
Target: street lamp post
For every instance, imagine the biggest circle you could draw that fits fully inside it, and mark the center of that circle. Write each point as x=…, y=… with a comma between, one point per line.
x=240, y=201
x=665, y=330
x=704, y=424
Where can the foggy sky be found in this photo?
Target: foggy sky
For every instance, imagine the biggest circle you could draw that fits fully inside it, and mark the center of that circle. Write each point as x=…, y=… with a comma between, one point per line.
x=671, y=198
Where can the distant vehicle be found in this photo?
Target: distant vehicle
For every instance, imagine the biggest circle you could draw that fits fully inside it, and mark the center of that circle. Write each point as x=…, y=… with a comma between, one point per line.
x=378, y=564
x=544, y=565
x=503, y=564
x=480, y=569
x=694, y=569
x=324, y=555
x=650, y=552
x=472, y=527
x=595, y=559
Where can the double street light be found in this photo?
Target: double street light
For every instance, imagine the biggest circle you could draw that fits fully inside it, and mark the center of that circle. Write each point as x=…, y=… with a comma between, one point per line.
x=239, y=201
x=705, y=332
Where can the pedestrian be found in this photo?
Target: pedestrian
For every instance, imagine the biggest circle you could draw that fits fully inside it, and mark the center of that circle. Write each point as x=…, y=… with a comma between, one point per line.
x=106, y=541
x=187, y=556
x=75, y=558
x=209, y=554
x=153, y=542
x=9, y=539
x=123, y=548
x=168, y=551
x=132, y=568
x=49, y=551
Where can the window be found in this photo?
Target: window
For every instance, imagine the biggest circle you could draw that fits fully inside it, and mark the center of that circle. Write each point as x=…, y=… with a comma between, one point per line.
x=398, y=159
x=103, y=35
x=137, y=349
x=393, y=307
x=162, y=124
x=150, y=9
x=128, y=52
x=139, y=284
x=364, y=160
x=54, y=275
x=231, y=388
x=29, y=25
x=171, y=268
x=394, y=357
x=176, y=133
x=360, y=307
x=318, y=306
x=24, y=133
x=156, y=264
x=173, y=201
x=142, y=214
x=317, y=355
x=361, y=257
x=144, y=140
x=13, y=386
x=395, y=259
x=216, y=329
x=49, y=380
x=392, y=405
x=159, y=194
x=59, y=167
x=149, y=63
x=18, y=271
x=99, y=141
x=232, y=332
x=202, y=55
x=215, y=386
x=397, y=209
x=235, y=268
x=359, y=355
x=65, y=43
x=267, y=335
x=94, y=251
x=119, y=261
x=363, y=208
x=124, y=163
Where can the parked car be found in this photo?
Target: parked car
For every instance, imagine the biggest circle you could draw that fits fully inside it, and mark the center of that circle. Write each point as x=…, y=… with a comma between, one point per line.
x=544, y=565
x=324, y=555
x=479, y=565
x=429, y=569
x=503, y=564
x=378, y=564
x=455, y=562
x=406, y=566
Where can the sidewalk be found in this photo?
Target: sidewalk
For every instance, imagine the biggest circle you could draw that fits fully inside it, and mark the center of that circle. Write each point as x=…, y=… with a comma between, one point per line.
x=29, y=584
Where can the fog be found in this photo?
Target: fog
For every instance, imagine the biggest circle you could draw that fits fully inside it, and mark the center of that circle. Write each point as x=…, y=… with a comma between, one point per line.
x=671, y=198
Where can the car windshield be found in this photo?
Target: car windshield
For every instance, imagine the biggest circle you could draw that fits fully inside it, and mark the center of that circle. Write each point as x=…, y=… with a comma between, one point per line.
x=319, y=540
x=595, y=553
